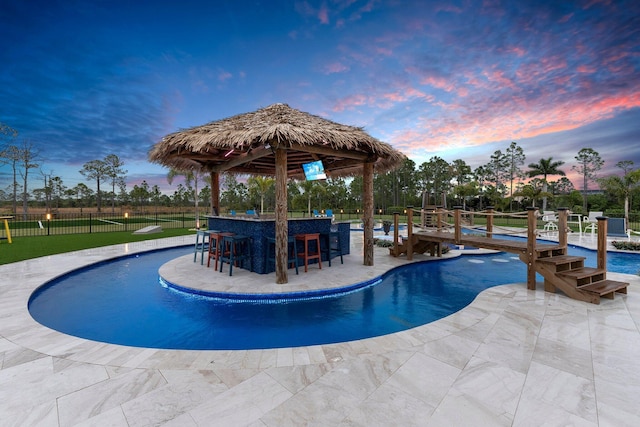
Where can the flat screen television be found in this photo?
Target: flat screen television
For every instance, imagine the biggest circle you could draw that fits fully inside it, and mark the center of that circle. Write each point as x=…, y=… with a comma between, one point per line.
x=314, y=170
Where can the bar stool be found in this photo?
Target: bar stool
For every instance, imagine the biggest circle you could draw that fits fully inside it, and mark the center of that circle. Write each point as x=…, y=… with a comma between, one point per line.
x=201, y=246
x=334, y=245
x=215, y=242
x=235, y=249
x=292, y=252
x=308, y=255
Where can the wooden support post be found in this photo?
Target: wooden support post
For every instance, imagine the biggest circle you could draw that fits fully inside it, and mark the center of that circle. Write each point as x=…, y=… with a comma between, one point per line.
x=457, y=214
x=602, y=242
x=367, y=214
x=490, y=221
x=410, y=233
x=563, y=229
x=215, y=193
x=282, y=224
x=396, y=234
x=532, y=222
x=439, y=218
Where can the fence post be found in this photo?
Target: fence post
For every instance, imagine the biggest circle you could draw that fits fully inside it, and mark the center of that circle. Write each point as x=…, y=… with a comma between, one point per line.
x=457, y=213
x=409, y=233
x=90, y=222
x=490, y=222
x=396, y=223
x=532, y=222
x=562, y=228
x=602, y=242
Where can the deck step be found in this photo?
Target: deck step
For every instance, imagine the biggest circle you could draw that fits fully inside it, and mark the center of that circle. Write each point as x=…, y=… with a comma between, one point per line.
x=550, y=251
x=604, y=287
x=561, y=259
x=581, y=273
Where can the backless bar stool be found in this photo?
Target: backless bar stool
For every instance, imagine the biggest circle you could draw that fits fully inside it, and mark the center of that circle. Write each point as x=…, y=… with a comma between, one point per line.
x=270, y=253
x=201, y=246
x=215, y=243
x=309, y=253
x=333, y=246
x=236, y=249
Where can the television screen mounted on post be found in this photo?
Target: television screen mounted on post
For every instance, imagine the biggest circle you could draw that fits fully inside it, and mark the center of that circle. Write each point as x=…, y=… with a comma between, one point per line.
x=314, y=170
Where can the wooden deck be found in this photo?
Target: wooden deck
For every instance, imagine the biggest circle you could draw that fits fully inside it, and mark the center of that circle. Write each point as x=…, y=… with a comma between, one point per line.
x=503, y=245
x=560, y=270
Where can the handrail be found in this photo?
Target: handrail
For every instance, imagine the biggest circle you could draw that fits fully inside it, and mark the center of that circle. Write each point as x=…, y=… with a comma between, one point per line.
x=533, y=216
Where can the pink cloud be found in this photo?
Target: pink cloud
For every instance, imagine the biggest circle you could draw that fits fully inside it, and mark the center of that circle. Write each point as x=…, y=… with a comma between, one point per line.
x=472, y=127
x=323, y=14
x=335, y=67
x=224, y=75
x=349, y=102
x=586, y=69
x=438, y=82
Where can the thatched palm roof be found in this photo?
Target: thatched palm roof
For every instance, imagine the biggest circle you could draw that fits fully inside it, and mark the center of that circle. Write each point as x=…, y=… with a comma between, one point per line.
x=246, y=143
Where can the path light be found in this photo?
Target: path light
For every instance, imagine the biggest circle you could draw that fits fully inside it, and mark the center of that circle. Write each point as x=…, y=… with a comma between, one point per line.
x=126, y=215
x=48, y=222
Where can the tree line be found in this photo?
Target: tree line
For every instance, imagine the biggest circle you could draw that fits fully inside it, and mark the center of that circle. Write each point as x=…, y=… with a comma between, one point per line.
x=503, y=182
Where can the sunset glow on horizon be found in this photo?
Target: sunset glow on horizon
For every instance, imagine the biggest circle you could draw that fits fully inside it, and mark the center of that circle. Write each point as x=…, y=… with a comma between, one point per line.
x=457, y=80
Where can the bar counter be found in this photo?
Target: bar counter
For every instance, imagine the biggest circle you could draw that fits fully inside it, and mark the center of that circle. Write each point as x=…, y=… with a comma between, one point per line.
x=259, y=228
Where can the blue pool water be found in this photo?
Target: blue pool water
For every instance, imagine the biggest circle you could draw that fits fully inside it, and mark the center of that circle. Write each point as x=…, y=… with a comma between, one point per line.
x=122, y=302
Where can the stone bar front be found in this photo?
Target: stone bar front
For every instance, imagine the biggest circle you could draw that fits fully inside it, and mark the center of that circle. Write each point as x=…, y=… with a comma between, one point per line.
x=259, y=228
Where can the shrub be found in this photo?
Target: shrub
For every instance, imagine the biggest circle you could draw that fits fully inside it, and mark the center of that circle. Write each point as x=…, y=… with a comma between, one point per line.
x=383, y=243
x=626, y=246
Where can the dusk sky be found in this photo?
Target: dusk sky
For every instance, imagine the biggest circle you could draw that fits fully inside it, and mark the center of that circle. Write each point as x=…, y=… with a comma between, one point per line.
x=84, y=79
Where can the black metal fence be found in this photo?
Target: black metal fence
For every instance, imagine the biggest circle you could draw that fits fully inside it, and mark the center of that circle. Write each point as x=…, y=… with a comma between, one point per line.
x=75, y=223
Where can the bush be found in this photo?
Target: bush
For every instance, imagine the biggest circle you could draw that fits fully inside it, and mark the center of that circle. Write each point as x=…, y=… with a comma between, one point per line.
x=626, y=246
x=383, y=243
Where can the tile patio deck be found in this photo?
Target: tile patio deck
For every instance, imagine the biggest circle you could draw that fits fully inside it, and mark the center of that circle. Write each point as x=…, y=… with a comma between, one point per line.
x=512, y=357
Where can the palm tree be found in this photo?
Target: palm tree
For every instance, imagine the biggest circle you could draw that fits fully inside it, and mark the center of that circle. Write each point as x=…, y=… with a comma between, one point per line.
x=622, y=186
x=544, y=168
x=261, y=184
x=189, y=176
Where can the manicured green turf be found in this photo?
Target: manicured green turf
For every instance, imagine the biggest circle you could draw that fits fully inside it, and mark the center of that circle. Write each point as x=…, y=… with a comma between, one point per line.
x=24, y=248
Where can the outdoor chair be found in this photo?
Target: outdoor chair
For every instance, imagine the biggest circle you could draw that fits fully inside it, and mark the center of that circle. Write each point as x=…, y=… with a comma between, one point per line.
x=616, y=227
x=550, y=221
x=591, y=221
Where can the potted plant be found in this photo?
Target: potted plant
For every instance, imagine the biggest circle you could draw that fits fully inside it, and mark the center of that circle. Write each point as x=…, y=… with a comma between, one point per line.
x=386, y=226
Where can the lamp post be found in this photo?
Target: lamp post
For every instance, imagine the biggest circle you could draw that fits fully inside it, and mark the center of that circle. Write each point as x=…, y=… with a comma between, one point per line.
x=48, y=223
x=126, y=216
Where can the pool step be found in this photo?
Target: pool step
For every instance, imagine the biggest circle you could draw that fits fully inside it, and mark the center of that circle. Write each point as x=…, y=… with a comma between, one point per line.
x=568, y=273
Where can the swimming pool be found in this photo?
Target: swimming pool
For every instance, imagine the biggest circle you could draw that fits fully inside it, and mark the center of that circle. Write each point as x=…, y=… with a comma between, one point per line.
x=121, y=302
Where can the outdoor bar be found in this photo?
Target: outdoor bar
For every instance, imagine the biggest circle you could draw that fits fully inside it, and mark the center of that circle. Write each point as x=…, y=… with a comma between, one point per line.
x=281, y=142
x=260, y=228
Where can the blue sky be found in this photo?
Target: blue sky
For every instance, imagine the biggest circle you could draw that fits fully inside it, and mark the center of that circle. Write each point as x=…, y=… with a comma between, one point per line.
x=84, y=79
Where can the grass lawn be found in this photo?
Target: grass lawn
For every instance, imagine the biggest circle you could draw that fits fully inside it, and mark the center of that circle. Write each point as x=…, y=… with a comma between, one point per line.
x=24, y=248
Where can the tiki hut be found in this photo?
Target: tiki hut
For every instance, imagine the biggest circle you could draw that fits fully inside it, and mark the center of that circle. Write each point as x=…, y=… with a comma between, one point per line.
x=276, y=141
